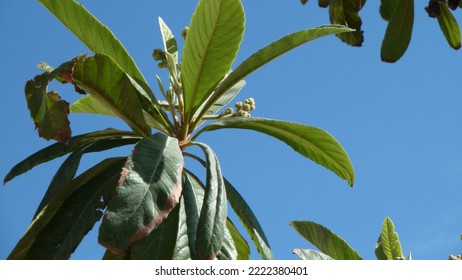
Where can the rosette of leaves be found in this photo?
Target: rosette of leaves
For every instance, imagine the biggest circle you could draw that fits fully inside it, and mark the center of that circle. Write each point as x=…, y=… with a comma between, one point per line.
x=151, y=205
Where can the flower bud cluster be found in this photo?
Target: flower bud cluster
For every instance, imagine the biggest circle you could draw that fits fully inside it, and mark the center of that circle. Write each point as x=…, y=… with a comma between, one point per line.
x=243, y=108
x=159, y=55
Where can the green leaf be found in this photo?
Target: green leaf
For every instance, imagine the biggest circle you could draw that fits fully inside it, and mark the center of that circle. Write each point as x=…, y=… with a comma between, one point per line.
x=101, y=77
x=399, y=30
x=346, y=12
x=182, y=251
x=242, y=247
x=234, y=245
x=169, y=40
x=149, y=188
x=228, y=250
x=311, y=142
x=47, y=109
x=387, y=7
x=213, y=39
x=249, y=220
x=96, y=36
x=267, y=54
x=449, y=26
x=312, y=255
x=246, y=216
x=325, y=240
x=70, y=214
x=59, y=149
x=388, y=246
x=68, y=168
x=160, y=244
x=211, y=225
x=90, y=105
x=193, y=195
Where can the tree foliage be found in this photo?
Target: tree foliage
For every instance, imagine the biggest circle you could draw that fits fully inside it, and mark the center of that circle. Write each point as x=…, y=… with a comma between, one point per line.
x=400, y=17
x=151, y=205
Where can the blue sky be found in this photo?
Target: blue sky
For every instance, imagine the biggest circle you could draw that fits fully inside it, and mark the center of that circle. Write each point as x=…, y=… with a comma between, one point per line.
x=399, y=123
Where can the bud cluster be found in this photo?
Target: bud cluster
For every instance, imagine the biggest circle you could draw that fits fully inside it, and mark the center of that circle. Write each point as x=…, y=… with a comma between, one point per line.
x=243, y=108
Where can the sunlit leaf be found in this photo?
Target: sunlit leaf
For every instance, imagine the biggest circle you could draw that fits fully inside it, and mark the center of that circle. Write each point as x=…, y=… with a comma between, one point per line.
x=242, y=247
x=311, y=142
x=312, y=255
x=213, y=39
x=325, y=240
x=90, y=105
x=149, y=188
x=399, y=30
x=101, y=77
x=267, y=54
x=96, y=36
x=70, y=214
x=388, y=246
x=169, y=40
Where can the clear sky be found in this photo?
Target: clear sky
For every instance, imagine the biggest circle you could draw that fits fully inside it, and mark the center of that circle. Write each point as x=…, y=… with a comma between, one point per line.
x=399, y=123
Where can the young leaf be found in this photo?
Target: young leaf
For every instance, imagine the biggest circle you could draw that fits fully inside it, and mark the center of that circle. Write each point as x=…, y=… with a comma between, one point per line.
x=47, y=109
x=160, y=244
x=311, y=142
x=388, y=246
x=346, y=12
x=449, y=26
x=169, y=40
x=149, y=188
x=399, y=30
x=214, y=37
x=267, y=54
x=211, y=225
x=101, y=77
x=325, y=240
x=70, y=214
x=246, y=216
x=59, y=149
x=312, y=255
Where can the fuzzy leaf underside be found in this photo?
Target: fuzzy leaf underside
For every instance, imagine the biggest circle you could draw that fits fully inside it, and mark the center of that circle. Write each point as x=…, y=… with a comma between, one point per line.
x=149, y=188
x=210, y=233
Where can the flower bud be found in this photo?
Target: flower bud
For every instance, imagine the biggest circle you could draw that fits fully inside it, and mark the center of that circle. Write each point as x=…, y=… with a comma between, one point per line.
x=246, y=107
x=239, y=106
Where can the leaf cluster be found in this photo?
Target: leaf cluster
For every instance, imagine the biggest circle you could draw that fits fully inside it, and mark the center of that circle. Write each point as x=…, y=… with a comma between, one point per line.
x=400, y=17
x=152, y=206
